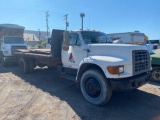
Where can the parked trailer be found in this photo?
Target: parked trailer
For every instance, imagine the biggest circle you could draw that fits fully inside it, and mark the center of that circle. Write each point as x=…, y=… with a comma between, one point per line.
x=90, y=59
x=128, y=37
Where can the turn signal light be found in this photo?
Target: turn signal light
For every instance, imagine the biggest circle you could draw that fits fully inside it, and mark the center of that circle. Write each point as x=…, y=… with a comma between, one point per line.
x=116, y=69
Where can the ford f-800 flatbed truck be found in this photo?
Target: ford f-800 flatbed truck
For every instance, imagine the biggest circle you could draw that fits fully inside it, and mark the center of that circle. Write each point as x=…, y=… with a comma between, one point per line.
x=93, y=61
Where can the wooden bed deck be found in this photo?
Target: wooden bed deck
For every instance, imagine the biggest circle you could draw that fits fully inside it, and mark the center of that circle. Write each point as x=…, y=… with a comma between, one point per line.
x=38, y=51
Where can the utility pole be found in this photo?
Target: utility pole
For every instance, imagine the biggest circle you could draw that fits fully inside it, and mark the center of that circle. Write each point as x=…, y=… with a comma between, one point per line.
x=39, y=33
x=82, y=15
x=47, y=15
x=67, y=23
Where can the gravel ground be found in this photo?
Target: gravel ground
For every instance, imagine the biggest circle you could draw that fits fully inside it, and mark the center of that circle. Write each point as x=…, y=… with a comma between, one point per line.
x=42, y=95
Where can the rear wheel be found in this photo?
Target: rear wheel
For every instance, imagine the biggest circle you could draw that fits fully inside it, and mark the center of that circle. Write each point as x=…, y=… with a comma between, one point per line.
x=31, y=65
x=95, y=87
x=24, y=65
x=51, y=67
x=155, y=74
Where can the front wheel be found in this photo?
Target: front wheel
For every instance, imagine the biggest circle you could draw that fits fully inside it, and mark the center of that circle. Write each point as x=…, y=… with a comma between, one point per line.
x=155, y=74
x=4, y=64
x=95, y=87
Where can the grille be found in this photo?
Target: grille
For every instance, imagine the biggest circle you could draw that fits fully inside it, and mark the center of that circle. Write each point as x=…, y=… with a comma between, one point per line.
x=14, y=48
x=141, y=61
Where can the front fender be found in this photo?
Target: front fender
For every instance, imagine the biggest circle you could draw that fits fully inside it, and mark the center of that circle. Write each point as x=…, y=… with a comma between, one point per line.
x=104, y=61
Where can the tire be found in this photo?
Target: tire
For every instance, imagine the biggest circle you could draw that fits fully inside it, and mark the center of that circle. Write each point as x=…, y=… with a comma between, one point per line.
x=31, y=65
x=0, y=57
x=95, y=88
x=19, y=62
x=4, y=64
x=24, y=65
x=51, y=67
x=155, y=74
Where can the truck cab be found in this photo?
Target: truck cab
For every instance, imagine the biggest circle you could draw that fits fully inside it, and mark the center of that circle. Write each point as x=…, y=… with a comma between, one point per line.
x=8, y=45
x=91, y=47
x=90, y=54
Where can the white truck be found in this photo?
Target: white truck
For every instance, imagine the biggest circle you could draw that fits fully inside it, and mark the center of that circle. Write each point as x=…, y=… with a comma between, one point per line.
x=151, y=45
x=90, y=59
x=8, y=45
x=128, y=37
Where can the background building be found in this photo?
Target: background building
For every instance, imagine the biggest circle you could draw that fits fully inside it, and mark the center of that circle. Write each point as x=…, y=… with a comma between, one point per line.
x=41, y=35
x=31, y=40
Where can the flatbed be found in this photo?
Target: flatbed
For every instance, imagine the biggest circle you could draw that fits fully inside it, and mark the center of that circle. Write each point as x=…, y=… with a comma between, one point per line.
x=39, y=51
x=41, y=57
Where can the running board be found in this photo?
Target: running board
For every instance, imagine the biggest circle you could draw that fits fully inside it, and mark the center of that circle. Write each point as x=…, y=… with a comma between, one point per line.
x=69, y=77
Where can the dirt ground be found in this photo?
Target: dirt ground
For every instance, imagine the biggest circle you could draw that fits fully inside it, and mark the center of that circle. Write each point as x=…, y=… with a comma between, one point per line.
x=43, y=96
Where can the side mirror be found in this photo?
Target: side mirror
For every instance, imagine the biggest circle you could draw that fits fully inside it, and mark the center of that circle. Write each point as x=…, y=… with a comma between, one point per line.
x=66, y=41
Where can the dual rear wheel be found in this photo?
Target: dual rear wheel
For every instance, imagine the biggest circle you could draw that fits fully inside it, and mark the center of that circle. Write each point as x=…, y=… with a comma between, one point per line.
x=26, y=65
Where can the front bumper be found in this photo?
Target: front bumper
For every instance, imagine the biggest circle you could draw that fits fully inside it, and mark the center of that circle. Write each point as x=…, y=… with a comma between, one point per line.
x=130, y=82
x=10, y=59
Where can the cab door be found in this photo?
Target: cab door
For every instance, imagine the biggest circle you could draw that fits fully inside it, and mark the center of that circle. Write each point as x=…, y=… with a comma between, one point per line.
x=72, y=57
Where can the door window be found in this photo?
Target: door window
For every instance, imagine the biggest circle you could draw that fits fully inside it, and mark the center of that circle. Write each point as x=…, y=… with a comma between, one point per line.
x=74, y=39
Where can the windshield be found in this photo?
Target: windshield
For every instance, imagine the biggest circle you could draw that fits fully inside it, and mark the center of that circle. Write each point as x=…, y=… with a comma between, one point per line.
x=147, y=42
x=13, y=40
x=90, y=37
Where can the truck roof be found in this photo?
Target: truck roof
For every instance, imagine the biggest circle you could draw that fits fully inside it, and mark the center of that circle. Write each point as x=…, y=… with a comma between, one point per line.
x=132, y=33
x=12, y=36
x=86, y=31
x=12, y=26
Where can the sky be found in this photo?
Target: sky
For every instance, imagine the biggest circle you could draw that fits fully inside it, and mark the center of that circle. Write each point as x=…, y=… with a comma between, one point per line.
x=109, y=16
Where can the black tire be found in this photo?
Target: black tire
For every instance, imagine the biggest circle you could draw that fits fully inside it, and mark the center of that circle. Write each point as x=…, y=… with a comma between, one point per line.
x=155, y=74
x=51, y=68
x=19, y=62
x=31, y=65
x=4, y=64
x=0, y=57
x=95, y=87
x=24, y=65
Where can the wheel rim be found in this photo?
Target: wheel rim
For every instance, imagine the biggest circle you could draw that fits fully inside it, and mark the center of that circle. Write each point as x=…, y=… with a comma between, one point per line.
x=92, y=87
x=156, y=75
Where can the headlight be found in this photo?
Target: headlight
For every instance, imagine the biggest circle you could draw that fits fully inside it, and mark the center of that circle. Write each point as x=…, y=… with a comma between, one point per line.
x=116, y=69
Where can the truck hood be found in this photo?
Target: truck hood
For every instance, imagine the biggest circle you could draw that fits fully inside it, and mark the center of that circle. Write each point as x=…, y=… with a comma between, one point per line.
x=15, y=44
x=123, y=51
x=155, y=59
x=8, y=46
